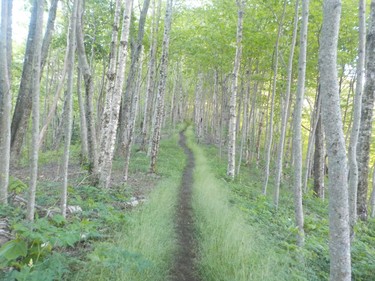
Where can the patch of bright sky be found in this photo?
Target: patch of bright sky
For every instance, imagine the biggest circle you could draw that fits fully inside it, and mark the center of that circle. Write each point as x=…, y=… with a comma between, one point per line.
x=21, y=18
x=22, y=12
x=196, y=3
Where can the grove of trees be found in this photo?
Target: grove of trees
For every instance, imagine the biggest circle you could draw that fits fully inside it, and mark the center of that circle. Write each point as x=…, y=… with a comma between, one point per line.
x=286, y=86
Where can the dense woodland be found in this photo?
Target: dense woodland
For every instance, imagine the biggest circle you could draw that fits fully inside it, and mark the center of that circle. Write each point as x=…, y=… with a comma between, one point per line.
x=280, y=92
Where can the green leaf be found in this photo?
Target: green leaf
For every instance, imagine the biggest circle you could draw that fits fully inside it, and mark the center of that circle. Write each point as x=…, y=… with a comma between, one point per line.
x=14, y=249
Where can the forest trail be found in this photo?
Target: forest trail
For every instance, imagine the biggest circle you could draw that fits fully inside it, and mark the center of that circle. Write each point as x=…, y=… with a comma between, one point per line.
x=183, y=268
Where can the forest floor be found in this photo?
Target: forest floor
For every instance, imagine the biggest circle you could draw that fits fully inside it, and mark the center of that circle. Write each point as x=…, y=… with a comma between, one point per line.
x=184, y=268
x=195, y=224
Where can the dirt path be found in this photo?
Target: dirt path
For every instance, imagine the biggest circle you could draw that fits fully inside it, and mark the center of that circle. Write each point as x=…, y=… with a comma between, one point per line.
x=184, y=269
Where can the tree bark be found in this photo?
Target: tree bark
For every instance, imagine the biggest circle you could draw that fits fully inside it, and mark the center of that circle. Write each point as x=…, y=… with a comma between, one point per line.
x=372, y=202
x=233, y=99
x=9, y=40
x=297, y=122
x=151, y=74
x=82, y=119
x=23, y=106
x=159, y=110
x=365, y=129
x=124, y=123
x=112, y=109
x=319, y=159
x=48, y=33
x=270, y=126
x=35, y=90
x=89, y=93
x=285, y=111
x=5, y=107
x=339, y=245
x=69, y=111
x=352, y=153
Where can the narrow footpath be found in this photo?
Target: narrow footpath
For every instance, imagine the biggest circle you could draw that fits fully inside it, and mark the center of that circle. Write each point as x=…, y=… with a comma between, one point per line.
x=184, y=268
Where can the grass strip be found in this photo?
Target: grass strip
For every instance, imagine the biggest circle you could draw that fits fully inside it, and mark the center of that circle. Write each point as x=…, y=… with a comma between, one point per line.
x=229, y=248
x=144, y=249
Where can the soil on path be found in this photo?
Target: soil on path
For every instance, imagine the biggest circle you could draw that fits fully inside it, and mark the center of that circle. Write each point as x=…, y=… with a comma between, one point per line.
x=184, y=263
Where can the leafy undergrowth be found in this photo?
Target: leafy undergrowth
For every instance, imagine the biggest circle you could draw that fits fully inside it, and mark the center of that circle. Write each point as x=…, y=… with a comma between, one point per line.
x=278, y=227
x=54, y=248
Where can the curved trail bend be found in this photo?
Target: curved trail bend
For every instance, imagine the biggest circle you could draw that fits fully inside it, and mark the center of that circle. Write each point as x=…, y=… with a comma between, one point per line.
x=184, y=263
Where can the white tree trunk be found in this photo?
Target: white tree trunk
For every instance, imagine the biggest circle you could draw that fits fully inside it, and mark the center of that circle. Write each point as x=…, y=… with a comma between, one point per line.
x=233, y=99
x=69, y=108
x=151, y=74
x=36, y=69
x=372, y=202
x=368, y=100
x=159, y=109
x=82, y=118
x=339, y=245
x=297, y=122
x=112, y=109
x=285, y=113
x=352, y=153
x=5, y=108
x=270, y=126
x=89, y=93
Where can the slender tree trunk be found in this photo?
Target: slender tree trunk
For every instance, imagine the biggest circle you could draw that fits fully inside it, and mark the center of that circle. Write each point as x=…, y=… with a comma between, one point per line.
x=151, y=73
x=111, y=112
x=5, y=107
x=365, y=129
x=372, y=203
x=159, y=110
x=82, y=115
x=69, y=111
x=313, y=126
x=59, y=89
x=89, y=90
x=245, y=124
x=124, y=123
x=48, y=33
x=23, y=106
x=319, y=160
x=297, y=122
x=131, y=123
x=9, y=40
x=35, y=90
x=352, y=153
x=339, y=245
x=233, y=99
x=270, y=126
x=285, y=111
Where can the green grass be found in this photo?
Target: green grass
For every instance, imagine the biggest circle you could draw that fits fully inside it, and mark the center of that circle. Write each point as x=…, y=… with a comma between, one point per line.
x=143, y=249
x=229, y=248
x=278, y=227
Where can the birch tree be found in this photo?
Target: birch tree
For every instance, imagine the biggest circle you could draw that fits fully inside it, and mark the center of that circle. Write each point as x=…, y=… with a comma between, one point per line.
x=89, y=93
x=297, y=134
x=151, y=73
x=69, y=103
x=270, y=125
x=352, y=153
x=23, y=108
x=35, y=90
x=5, y=107
x=132, y=90
x=159, y=109
x=364, y=138
x=339, y=244
x=114, y=90
x=284, y=121
x=233, y=99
